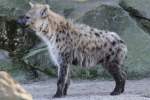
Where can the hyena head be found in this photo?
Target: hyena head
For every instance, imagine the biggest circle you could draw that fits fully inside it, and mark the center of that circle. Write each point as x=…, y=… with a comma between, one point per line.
x=36, y=18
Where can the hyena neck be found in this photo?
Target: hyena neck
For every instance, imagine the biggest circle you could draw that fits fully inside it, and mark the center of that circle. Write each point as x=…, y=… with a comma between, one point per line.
x=54, y=26
x=59, y=24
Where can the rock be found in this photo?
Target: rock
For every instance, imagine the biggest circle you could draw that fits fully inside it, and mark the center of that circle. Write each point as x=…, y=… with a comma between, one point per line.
x=114, y=18
x=15, y=8
x=138, y=9
x=4, y=55
x=74, y=9
x=11, y=90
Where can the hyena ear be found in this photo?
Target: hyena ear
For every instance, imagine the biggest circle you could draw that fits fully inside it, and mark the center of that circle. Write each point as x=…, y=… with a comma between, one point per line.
x=44, y=11
x=31, y=4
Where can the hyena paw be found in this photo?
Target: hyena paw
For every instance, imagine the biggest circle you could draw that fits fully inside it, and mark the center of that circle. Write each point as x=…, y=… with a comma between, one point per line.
x=57, y=95
x=117, y=91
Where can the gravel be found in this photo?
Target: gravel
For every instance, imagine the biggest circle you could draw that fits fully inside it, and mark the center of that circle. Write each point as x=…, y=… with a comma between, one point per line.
x=90, y=90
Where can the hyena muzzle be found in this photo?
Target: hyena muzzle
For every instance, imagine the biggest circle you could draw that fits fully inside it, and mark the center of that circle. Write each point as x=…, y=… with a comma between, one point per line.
x=76, y=44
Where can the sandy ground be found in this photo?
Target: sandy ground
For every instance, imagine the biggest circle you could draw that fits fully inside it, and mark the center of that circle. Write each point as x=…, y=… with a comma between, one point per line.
x=91, y=90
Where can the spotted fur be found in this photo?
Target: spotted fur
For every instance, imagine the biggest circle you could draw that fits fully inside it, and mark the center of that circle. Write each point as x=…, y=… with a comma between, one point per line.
x=80, y=44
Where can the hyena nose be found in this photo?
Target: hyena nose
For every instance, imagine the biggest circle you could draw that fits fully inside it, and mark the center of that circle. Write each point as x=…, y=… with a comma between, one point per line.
x=22, y=20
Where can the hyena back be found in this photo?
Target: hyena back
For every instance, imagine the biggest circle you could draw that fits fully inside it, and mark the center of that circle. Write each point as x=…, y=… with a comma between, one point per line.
x=76, y=44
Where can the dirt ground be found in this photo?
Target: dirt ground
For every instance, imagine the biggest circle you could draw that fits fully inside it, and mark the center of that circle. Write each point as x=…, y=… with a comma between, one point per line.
x=91, y=90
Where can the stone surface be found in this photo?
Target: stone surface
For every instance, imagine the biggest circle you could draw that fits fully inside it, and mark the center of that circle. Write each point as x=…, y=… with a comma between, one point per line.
x=137, y=7
x=11, y=90
x=15, y=8
x=90, y=90
x=4, y=55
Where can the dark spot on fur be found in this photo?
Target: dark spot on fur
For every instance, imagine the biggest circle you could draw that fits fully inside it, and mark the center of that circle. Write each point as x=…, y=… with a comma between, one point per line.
x=116, y=62
x=63, y=39
x=97, y=34
x=60, y=31
x=105, y=44
x=75, y=62
x=110, y=49
x=112, y=35
x=114, y=43
x=57, y=35
x=67, y=34
x=101, y=61
x=79, y=35
x=58, y=40
x=98, y=48
x=82, y=43
x=119, y=50
x=107, y=57
x=93, y=49
x=100, y=32
x=112, y=53
x=44, y=32
x=85, y=34
x=58, y=46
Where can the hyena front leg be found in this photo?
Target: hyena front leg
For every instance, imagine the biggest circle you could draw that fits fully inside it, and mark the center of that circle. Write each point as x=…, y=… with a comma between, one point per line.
x=67, y=85
x=63, y=80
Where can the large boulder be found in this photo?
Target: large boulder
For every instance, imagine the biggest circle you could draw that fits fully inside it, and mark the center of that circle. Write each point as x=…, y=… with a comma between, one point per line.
x=114, y=18
x=11, y=90
x=138, y=9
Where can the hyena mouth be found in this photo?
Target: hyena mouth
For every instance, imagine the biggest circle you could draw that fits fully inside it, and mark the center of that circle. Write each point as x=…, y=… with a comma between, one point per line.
x=22, y=22
x=28, y=30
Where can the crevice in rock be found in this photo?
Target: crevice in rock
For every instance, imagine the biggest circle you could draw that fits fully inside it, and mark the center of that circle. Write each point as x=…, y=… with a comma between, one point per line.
x=142, y=22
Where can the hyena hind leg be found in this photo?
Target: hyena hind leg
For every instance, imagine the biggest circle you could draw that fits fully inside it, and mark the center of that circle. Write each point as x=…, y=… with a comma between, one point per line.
x=119, y=76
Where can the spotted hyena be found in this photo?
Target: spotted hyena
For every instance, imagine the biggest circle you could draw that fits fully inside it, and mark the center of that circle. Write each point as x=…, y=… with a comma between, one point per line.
x=80, y=44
